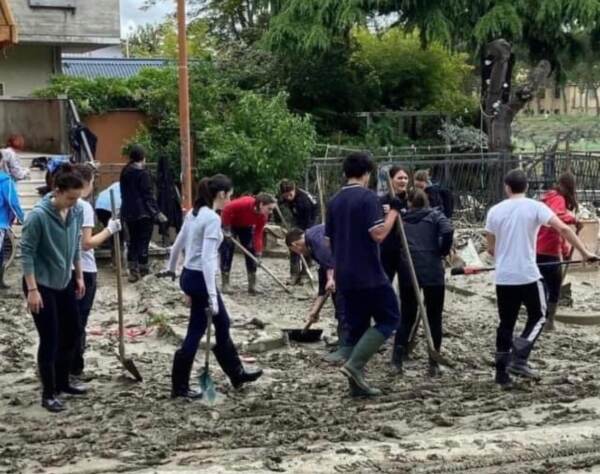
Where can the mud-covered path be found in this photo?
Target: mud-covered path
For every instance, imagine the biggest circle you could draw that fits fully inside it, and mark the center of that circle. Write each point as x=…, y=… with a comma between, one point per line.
x=299, y=417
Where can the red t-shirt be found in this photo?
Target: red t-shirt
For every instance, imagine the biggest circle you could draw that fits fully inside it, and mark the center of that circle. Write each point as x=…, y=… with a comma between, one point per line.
x=549, y=241
x=242, y=212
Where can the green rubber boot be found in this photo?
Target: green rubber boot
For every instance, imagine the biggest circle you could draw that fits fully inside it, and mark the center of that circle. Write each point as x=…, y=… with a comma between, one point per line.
x=366, y=348
x=341, y=354
x=225, y=285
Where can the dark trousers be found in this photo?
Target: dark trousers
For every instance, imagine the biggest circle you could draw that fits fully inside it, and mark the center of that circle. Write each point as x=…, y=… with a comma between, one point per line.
x=192, y=283
x=361, y=305
x=433, y=297
x=510, y=298
x=84, y=307
x=57, y=324
x=245, y=236
x=140, y=234
x=2, y=233
x=391, y=265
x=552, y=275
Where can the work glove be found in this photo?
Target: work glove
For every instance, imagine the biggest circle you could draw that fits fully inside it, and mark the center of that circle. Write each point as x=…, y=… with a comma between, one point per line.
x=397, y=205
x=113, y=226
x=166, y=274
x=161, y=218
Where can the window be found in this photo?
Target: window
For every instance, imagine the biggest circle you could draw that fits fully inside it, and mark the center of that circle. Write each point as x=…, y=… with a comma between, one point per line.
x=68, y=4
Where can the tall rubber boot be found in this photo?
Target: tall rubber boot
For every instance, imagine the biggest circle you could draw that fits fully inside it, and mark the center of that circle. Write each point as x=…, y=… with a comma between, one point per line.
x=3, y=285
x=434, y=370
x=502, y=361
x=180, y=377
x=252, y=284
x=144, y=270
x=344, y=349
x=520, y=355
x=398, y=359
x=225, y=285
x=552, y=307
x=229, y=360
x=134, y=272
x=366, y=348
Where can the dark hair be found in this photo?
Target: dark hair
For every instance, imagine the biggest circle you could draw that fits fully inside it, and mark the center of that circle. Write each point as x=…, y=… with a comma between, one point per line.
x=66, y=177
x=265, y=199
x=516, y=180
x=292, y=236
x=286, y=186
x=207, y=190
x=421, y=175
x=358, y=164
x=567, y=188
x=394, y=170
x=136, y=153
x=418, y=199
x=86, y=171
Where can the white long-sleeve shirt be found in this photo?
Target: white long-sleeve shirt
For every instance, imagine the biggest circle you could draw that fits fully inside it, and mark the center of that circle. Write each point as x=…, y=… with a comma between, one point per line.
x=200, y=238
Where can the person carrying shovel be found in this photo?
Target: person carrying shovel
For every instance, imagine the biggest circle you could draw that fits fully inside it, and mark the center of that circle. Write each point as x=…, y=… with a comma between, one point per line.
x=512, y=228
x=313, y=244
x=199, y=239
x=355, y=227
x=245, y=218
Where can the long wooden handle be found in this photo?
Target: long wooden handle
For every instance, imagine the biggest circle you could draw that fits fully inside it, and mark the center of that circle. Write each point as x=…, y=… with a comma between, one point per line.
x=318, y=309
x=259, y=264
x=117, y=245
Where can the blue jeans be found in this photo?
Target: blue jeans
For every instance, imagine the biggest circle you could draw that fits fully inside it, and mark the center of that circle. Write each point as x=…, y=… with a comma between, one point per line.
x=361, y=305
x=245, y=235
x=192, y=283
x=84, y=306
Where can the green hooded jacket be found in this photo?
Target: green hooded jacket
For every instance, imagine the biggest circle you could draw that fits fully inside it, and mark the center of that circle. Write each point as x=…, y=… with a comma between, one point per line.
x=50, y=246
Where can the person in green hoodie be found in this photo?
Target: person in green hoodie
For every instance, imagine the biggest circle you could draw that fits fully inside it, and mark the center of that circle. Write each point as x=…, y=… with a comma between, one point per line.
x=53, y=281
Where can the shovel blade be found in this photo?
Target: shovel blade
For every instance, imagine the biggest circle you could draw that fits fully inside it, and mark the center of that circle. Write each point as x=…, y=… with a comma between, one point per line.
x=209, y=393
x=440, y=359
x=132, y=369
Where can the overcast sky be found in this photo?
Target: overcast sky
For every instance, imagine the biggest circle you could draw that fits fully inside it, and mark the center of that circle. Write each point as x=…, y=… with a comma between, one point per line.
x=131, y=15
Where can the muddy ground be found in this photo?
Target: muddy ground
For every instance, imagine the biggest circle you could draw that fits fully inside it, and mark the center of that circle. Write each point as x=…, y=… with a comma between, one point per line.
x=299, y=417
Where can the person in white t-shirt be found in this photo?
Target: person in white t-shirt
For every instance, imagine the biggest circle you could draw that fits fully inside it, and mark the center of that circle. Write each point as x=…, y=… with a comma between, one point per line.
x=200, y=238
x=511, y=228
x=88, y=261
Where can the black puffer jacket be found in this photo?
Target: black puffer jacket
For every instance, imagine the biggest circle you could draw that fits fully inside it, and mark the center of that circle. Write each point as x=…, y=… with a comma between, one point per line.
x=304, y=209
x=429, y=234
x=137, y=194
x=391, y=247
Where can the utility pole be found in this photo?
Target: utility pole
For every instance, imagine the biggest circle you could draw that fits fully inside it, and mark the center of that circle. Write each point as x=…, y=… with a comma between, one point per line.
x=184, y=109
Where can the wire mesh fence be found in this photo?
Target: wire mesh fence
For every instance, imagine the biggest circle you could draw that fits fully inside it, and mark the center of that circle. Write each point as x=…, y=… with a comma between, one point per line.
x=474, y=179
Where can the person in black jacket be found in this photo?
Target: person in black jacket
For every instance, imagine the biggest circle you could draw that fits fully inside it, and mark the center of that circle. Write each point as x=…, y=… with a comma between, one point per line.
x=139, y=211
x=391, y=247
x=439, y=198
x=429, y=234
x=304, y=210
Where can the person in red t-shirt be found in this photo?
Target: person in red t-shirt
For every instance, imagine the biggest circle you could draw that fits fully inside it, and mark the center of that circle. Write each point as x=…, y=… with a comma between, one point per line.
x=551, y=247
x=245, y=218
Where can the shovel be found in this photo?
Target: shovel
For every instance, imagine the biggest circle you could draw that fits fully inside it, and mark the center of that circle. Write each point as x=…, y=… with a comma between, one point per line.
x=127, y=363
x=435, y=355
x=307, y=334
x=207, y=385
x=259, y=264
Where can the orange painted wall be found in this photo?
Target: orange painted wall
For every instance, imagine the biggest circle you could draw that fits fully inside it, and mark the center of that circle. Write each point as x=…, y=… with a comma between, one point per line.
x=113, y=129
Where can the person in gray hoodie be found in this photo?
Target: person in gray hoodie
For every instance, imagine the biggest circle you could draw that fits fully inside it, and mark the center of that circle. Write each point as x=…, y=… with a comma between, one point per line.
x=53, y=281
x=429, y=233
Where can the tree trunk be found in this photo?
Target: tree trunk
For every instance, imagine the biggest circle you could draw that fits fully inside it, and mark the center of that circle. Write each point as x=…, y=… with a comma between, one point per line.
x=597, y=97
x=563, y=91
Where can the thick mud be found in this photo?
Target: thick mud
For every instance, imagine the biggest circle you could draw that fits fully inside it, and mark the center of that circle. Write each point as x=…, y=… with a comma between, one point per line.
x=299, y=416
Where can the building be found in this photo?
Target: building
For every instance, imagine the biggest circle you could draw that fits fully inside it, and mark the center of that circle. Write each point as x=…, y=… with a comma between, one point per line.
x=34, y=34
x=568, y=100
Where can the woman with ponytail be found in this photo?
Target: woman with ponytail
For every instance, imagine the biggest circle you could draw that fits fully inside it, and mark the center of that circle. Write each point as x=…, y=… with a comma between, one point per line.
x=50, y=248
x=199, y=239
x=551, y=247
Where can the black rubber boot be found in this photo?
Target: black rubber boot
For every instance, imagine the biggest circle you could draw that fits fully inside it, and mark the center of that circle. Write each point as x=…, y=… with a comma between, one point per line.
x=3, y=285
x=252, y=284
x=434, y=370
x=502, y=361
x=134, y=273
x=366, y=348
x=225, y=285
x=398, y=359
x=229, y=360
x=180, y=377
x=144, y=270
x=520, y=355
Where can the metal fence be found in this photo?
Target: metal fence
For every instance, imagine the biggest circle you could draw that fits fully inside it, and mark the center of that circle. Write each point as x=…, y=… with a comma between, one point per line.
x=475, y=180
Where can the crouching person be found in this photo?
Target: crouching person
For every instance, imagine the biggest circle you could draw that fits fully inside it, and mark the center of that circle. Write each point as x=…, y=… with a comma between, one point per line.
x=50, y=247
x=313, y=244
x=200, y=238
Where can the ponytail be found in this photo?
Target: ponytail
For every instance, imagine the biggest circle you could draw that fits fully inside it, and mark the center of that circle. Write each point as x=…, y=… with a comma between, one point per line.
x=207, y=190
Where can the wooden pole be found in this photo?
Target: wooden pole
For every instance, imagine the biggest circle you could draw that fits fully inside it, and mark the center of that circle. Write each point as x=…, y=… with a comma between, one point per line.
x=184, y=109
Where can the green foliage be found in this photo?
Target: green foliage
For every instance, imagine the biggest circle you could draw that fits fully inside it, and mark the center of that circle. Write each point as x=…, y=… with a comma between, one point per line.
x=259, y=143
x=416, y=78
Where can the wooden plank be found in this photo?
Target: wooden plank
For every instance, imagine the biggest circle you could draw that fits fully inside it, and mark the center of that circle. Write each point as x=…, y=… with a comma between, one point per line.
x=8, y=30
